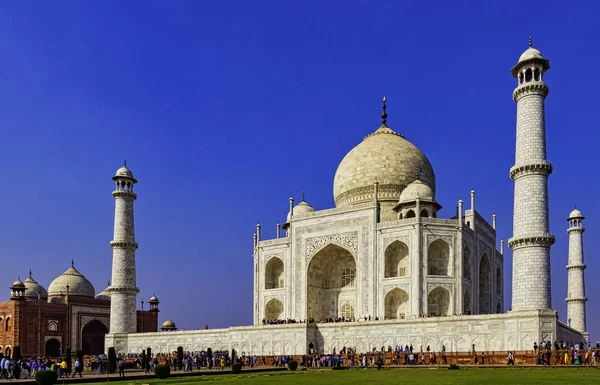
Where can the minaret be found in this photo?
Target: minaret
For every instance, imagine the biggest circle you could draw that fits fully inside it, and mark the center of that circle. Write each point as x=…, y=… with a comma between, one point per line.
x=576, y=285
x=123, y=316
x=531, y=238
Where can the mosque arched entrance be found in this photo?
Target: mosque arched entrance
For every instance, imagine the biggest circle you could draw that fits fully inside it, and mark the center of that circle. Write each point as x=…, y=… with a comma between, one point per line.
x=273, y=310
x=331, y=283
x=92, y=337
x=438, y=302
x=53, y=348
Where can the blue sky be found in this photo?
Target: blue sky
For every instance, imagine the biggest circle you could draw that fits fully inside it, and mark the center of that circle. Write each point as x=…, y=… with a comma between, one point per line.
x=224, y=109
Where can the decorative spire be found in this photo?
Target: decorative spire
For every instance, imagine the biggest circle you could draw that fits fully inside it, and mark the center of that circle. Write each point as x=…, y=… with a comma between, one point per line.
x=302, y=196
x=72, y=263
x=125, y=162
x=530, y=42
x=384, y=114
x=30, y=273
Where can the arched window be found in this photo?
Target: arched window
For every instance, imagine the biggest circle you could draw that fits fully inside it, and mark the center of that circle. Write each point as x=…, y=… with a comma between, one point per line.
x=396, y=304
x=424, y=213
x=410, y=214
x=8, y=324
x=348, y=277
x=347, y=311
x=438, y=302
x=52, y=326
x=521, y=78
x=536, y=74
x=438, y=258
x=528, y=75
x=273, y=309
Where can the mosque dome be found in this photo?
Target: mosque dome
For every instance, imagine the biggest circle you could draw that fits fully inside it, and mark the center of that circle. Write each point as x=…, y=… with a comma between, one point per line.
x=153, y=299
x=168, y=325
x=300, y=208
x=385, y=157
x=124, y=172
x=576, y=214
x=417, y=189
x=104, y=295
x=18, y=284
x=78, y=284
x=32, y=288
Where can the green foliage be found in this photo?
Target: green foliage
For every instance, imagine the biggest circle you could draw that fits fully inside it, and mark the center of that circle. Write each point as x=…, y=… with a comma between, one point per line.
x=112, y=360
x=46, y=377
x=180, y=357
x=237, y=367
x=162, y=371
x=292, y=365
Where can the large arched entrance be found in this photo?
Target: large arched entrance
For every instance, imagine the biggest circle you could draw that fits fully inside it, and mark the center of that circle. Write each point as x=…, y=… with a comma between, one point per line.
x=467, y=303
x=485, y=306
x=438, y=258
x=438, y=302
x=53, y=348
x=331, y=281
x=396, y=304
x=92, y=337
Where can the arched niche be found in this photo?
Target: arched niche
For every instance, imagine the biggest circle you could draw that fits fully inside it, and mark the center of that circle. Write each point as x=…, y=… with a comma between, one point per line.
x=396, y=260
x=438, y=258
x=274, y=274
x=498, y=281
x=274, y=309
x=92, y=337
x=467, y=303
x=438, y=302
x=396, y=304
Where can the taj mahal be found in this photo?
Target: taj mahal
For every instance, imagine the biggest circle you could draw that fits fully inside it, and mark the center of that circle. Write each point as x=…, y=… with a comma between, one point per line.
x=382, y=268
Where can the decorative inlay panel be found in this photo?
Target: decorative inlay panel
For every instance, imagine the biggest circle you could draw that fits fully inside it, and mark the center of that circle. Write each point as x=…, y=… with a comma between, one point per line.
x=347, y=240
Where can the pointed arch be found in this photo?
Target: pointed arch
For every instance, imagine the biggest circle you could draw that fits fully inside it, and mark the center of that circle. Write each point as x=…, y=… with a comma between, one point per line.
x=410, y=214
x=438, y=258
x=396, y=260
x=273, y=309
x=438, y=302
x=331, y=276
x=485, y=306
x=274, y=274
x=396, y=304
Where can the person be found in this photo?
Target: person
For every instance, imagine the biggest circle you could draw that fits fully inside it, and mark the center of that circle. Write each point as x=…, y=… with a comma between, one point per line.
x=511, y=360
x=78, y=368
x=63, y=369
x=121, y=366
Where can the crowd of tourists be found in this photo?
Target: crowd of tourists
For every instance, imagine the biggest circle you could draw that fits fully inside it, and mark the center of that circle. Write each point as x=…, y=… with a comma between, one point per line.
x=26, y=368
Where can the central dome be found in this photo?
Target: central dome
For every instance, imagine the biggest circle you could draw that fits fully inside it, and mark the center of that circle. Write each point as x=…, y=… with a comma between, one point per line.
x=384, y=157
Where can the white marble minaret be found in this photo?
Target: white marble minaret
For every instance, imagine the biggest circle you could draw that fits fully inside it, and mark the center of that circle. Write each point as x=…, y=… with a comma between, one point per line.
x=531, y=238
x=576, y=285
x=123, y=291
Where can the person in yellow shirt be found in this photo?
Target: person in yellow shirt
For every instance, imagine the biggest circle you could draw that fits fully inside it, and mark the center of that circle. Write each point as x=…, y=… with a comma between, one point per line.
x=222, y=362
x=63, y=369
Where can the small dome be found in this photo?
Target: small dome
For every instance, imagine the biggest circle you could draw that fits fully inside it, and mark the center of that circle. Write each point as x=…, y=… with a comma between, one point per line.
x=124, y=172
x=153, y=299
x=168, y=325
x=530, y=53
x=417, y=189
x=576, y=214
x=78, y=285
x=32, y=288
x=300, y=208
x=18, y=284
